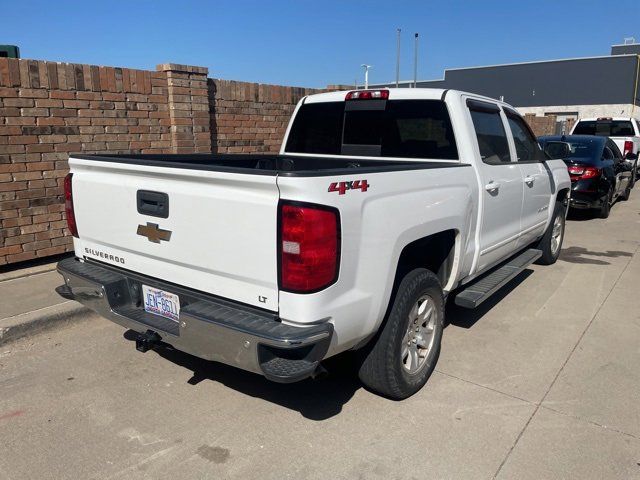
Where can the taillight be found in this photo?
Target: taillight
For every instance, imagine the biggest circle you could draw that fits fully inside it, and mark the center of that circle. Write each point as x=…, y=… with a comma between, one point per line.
x=309, y=247
x=628, y=148
x=68, y=205
x=583, y=173
x=368, y=95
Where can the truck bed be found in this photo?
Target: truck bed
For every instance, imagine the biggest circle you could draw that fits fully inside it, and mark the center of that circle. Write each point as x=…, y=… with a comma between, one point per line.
x=268, y=164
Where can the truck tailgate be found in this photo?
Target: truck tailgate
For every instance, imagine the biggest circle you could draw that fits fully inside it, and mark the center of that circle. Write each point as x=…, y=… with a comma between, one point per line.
x=223, y=227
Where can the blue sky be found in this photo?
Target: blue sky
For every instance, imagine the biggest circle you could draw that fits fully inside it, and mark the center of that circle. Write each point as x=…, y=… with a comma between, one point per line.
x=305, y=43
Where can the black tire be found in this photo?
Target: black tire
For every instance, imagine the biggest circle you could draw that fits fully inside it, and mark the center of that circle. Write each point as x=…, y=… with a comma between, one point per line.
x=382, y=368
x=549, y=255
x=627, y=193
x=605, y=209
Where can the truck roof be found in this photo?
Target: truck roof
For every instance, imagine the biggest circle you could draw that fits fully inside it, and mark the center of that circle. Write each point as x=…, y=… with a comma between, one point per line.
x=615, y=119
x=396, y=94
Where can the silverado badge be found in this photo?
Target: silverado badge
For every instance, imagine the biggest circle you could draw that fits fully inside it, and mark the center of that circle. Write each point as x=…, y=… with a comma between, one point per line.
x=154, y=233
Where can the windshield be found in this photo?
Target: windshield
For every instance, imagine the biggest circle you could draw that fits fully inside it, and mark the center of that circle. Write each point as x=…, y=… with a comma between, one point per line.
x=605, y=128
x=401, y=128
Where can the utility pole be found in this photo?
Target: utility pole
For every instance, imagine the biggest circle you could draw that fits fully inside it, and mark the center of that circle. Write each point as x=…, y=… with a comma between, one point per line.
x=366, y=74
x=398, y=59
x=415, y=63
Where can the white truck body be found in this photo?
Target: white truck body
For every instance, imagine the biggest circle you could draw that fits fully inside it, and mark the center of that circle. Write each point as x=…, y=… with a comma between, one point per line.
x=224, y=222
x=624, y=131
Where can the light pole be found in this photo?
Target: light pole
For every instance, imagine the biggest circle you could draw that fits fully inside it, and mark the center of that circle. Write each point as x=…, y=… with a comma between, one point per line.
x=415, y=63
x=366, y=74
x=398, y=59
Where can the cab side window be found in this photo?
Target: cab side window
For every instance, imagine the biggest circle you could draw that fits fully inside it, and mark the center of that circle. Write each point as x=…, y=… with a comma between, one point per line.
x=490, y=133
x=615, y=150
x=527, y=147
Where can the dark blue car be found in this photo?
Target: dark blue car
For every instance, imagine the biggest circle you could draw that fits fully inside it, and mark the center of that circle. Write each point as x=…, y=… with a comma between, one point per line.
x=599, y=174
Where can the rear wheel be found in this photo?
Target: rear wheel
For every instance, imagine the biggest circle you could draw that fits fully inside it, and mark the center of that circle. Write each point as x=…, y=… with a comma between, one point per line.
x=403, y=355
x=551, y=241
x=605, y=209
x=627, y=193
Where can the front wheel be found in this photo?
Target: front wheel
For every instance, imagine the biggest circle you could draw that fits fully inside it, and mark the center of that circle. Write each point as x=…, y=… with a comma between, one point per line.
x=404, y=353
x=551, y=241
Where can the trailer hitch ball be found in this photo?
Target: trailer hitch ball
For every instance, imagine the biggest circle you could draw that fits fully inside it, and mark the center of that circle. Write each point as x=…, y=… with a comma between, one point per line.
x=147, y=341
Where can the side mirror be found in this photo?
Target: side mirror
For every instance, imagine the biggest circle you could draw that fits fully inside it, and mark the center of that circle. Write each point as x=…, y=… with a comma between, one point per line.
x=557, y=149
x=631, y=156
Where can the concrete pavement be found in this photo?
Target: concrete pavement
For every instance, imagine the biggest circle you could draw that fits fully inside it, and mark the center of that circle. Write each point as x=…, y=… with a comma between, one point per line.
x=29, y=293
x=30, y=303
x=543, y=382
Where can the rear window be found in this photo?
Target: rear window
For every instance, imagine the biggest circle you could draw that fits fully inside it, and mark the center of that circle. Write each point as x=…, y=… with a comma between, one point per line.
x=402, y=128
x=605, y=128
x=317, y=129
x=584, y=151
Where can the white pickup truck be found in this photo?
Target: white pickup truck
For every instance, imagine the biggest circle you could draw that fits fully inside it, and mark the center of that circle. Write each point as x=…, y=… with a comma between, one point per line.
x=624, y=131
x=380, y=205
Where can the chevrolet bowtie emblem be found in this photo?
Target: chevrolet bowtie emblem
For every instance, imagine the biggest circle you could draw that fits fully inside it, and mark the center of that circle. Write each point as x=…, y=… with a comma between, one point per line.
x=154, y=233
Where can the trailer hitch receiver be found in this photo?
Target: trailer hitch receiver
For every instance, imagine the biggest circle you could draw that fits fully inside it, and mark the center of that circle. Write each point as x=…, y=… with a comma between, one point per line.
x=147, y=341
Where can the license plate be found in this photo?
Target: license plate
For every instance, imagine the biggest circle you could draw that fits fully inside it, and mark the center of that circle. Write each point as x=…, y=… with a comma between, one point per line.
x=161, y=303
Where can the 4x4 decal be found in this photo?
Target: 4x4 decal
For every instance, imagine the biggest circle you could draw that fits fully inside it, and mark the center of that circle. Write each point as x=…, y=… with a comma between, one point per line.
x=342, y=187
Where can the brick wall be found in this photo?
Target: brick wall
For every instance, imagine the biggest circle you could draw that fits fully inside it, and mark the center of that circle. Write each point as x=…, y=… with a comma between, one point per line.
x=188, y=108
x=50, y=109
x=541, y=125
x=547, y=124
x=250, y=117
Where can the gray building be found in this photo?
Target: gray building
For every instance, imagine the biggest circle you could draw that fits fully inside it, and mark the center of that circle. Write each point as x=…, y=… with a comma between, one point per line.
x=569, y=88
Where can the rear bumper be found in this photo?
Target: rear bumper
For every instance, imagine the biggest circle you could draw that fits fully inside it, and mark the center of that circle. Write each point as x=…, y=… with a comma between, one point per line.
x=209, y=327
x=585, y=200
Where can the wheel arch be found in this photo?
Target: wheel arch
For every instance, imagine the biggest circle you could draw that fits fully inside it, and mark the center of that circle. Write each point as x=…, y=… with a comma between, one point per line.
x=439, y=253
x=563, y=194
x=435, y=252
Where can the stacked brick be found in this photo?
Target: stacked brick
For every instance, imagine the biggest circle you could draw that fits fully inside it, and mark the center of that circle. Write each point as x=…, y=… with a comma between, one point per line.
x=188, y=107
x=541, y=125
x=250, y=117
x=48, y=110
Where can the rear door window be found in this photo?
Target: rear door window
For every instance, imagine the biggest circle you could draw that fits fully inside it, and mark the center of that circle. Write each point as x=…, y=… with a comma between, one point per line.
x=395, y=128
x=607, y=154
x=490, y=133
x=614, y=149
x=605, y=128
x=527, y=147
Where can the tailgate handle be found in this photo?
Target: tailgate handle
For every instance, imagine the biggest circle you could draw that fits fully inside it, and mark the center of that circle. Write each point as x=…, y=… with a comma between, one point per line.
x=154, y=204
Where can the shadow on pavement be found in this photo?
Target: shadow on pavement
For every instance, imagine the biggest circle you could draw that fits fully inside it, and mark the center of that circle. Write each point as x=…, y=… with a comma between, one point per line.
x=315, y=399
x=583, y=214
x=580, y=215
x=576, y=255
x=467, y=318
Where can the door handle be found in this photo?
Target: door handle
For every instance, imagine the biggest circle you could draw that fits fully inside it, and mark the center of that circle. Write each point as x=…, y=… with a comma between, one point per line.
x=529, y=180
x=154, y=204
x=492, y=186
